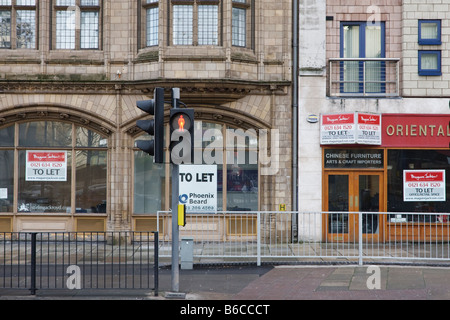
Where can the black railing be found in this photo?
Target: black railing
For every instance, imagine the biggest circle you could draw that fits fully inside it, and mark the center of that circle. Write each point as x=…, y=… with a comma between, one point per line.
x=79, y=261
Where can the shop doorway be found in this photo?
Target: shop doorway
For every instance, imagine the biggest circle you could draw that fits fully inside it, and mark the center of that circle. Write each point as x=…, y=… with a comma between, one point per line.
x=349, y=192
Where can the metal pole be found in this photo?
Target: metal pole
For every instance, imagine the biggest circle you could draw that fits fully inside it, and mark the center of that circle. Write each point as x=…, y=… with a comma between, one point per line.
x=360, y=240
x=258, y=239
x=33, y=264
x=156, y=261
x=175, y=231
x=295, y=92
x=175, y=228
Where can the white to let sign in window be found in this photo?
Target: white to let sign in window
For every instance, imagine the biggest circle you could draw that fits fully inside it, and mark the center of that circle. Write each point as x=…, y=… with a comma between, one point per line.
x=46, y=165
x=424, y=185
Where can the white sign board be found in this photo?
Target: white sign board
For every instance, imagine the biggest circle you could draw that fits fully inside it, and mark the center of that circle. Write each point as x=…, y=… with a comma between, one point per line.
x=424, y=185
x=350, y=128
x=368, y=129
x=46, y=165
x=198, y=187
x=338, y=129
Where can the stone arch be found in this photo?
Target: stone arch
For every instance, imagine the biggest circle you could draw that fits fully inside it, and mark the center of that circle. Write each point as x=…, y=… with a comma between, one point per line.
x=218, y=114
x=48, y=112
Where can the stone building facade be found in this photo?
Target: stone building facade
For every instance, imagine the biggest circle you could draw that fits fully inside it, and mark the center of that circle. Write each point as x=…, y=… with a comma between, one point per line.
x=71, y=72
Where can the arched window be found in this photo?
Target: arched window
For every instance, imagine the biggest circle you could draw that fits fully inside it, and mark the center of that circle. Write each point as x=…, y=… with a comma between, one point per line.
x=234, y=151
x=57, y=167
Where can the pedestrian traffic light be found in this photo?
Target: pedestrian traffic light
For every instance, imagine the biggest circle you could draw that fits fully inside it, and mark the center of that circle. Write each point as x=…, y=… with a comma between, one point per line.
x=181, y=135
x=154, y=127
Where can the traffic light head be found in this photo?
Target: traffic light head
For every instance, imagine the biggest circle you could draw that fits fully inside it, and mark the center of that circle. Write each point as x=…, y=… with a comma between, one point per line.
x=181, y=135
x=154, y=127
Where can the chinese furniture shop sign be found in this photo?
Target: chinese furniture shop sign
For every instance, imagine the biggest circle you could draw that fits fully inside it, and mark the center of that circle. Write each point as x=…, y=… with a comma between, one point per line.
x=351, y=128
x=46, y=166
x=424, y=185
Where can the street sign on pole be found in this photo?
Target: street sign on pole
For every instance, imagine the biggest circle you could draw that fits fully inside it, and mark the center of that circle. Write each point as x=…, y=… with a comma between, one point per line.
x=198, y=188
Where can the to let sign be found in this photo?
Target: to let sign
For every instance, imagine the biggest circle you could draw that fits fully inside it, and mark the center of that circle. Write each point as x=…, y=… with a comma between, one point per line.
x=424, y=185
x=338, y=128
x=350, y=128
x=46, y=165
x=198, y=187
x=368, y=129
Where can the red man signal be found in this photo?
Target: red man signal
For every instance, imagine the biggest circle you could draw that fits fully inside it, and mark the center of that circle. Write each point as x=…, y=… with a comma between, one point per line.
x=181, y=123
x=181, y=135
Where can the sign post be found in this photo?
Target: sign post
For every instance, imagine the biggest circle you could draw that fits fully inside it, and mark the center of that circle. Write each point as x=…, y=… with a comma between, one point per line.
x=175, y=231
x=175, y=272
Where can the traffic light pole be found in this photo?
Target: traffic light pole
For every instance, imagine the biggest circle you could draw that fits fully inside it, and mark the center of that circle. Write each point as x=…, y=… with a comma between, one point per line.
x=175, y=227
x=175, y=231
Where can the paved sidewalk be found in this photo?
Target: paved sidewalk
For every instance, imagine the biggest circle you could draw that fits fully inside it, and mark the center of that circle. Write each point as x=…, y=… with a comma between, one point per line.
x=289, y=282
x=349, y=283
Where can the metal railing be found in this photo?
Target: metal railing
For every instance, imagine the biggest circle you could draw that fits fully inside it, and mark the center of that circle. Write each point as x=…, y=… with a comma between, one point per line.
x=89, y=260
x=364, y=77
x=319, y=236
x=130, y=260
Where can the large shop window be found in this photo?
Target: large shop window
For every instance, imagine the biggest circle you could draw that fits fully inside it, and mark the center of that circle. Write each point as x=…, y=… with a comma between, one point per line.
x=61, y=168
x=233, y=150
x=418, y=163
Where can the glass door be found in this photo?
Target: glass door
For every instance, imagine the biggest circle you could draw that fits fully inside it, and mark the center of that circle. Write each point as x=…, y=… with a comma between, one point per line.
x=347, y=193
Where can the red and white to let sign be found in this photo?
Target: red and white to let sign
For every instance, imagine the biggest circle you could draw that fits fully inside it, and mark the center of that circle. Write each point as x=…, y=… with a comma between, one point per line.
x=46, y=166
x=424, y=185
x=338, y=129
x=350, y=128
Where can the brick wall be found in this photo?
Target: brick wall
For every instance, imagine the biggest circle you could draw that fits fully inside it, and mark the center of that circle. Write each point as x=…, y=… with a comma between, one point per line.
x=413, y=83
x=362, y=10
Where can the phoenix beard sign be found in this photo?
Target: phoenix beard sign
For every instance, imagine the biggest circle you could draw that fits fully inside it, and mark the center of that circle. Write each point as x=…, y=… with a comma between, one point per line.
x=198, y=187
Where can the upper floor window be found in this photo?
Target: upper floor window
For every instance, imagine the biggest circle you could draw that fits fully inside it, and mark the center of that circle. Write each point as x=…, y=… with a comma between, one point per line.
x=430, y=63
x=77, y=24
x=430, y=32
x=239, y=23
x=18, y=24
x=196, y=22
x=148, y=21
x=362, y=40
